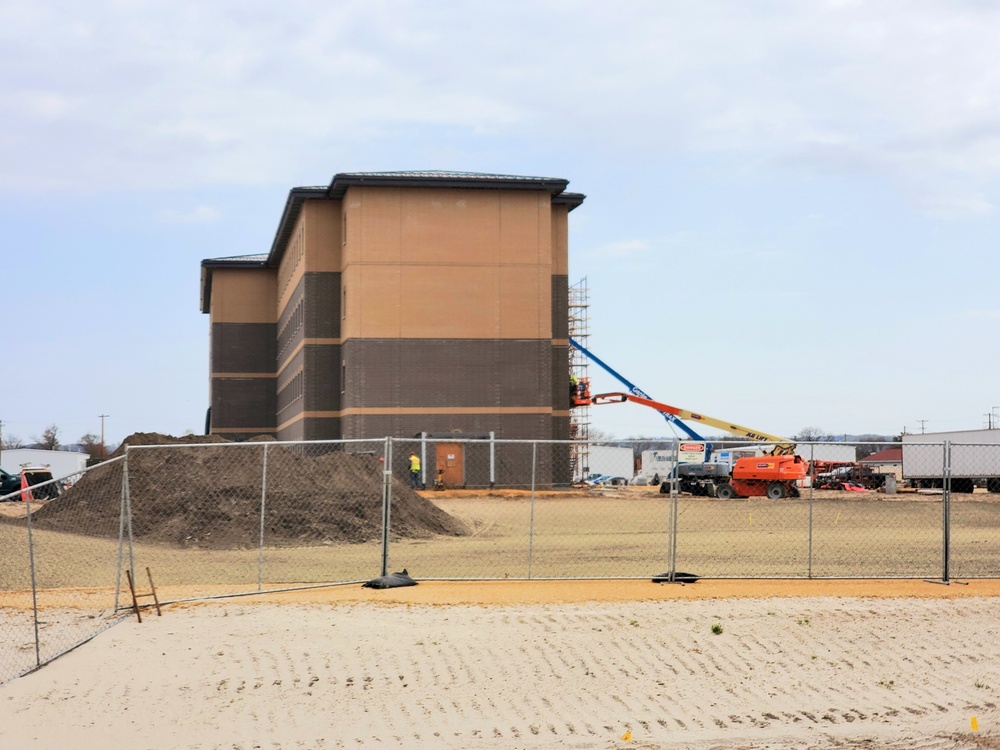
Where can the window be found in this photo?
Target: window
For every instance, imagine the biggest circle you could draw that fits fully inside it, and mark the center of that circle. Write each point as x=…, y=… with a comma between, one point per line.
x=343, y=376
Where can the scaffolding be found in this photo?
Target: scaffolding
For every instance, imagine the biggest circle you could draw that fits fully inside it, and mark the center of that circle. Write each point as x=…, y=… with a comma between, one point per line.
x=579, y=416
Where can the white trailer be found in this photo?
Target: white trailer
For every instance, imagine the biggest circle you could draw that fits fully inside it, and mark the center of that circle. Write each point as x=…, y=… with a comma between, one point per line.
x=61, y=463
x=660, y=463
x=611, y=460
x=974, y=459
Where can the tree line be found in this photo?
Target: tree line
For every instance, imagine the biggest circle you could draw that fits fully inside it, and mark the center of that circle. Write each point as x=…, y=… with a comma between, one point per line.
x=49, y=440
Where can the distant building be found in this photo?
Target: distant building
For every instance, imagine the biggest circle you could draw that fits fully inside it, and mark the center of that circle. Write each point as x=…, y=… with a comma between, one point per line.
x=888, y=461
x=395, y=304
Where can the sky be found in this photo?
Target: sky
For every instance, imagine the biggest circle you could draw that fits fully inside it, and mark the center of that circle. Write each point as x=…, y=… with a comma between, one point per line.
x=791, y=218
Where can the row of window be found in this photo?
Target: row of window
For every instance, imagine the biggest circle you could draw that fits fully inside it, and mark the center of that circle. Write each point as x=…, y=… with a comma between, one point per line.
x=289, y=330
x=293, y=390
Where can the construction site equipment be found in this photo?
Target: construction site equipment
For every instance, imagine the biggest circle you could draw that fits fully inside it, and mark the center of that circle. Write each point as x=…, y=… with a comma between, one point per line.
x=758, y=476
x=782, y=446
x=773, y=476
x=634, y=390
x=776, y=475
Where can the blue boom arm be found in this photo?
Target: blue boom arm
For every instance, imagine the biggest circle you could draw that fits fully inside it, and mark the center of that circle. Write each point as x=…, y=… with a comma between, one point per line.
x=634, y=389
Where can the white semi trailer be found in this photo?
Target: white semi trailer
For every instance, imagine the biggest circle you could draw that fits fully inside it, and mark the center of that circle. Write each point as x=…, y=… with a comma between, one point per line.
x=974, y=459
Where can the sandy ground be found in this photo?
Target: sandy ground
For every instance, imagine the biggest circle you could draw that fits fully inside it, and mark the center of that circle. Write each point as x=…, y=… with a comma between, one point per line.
x=581, y=664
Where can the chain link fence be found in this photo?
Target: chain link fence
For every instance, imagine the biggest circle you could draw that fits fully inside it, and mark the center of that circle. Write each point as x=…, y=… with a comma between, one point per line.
x=58, y=577
x=226, y=519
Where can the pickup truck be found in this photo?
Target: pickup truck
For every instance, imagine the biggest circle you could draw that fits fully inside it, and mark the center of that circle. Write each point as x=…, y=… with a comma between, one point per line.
x=34, y=475
x=9, y=483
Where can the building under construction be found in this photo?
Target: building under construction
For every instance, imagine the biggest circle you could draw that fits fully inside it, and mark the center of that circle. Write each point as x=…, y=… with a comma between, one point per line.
x=395, y=304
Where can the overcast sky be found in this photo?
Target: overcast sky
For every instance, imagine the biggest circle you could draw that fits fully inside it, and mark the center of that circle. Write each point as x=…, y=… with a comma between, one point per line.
x=791, y=216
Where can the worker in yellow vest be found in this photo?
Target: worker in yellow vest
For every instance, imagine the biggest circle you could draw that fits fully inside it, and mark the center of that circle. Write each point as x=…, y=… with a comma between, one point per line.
x=414, y=470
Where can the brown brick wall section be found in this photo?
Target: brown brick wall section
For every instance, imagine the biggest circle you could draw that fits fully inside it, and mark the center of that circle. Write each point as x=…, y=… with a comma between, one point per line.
x=322, y=386
x=243, y=347
x=509, y=426
x=560, y=377
x=291, y=327
x=447, y=373
x=322, y=313
x=560, y=307
x=243, y=403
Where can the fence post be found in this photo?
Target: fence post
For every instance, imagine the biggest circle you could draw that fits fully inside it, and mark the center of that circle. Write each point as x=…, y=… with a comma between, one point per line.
x=531, y=522
x=493, y=459
x=121, y=528
x=423, y=462
x=812, y=479
x=674, y=501
x=946, y=515
x=263, y=503
x=125, y=527
x=34, y=584
x=387, y=503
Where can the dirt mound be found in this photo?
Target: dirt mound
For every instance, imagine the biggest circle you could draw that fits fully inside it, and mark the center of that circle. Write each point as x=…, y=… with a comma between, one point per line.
x=157, y=438
x=210, y=496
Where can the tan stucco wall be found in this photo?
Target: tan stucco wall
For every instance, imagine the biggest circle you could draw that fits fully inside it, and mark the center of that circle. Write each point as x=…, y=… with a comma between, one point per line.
x=433, y=263
x=322, y=220
x=243, y=295
x=560, y=239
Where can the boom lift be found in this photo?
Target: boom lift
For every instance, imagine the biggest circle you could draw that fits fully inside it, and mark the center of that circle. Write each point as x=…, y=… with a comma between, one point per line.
x=773, y=475
x=582, y=400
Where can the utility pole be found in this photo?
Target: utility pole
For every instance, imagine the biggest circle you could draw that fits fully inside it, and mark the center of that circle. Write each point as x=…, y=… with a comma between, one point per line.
x=993, y=416
x=104, y=450
x=922, y=423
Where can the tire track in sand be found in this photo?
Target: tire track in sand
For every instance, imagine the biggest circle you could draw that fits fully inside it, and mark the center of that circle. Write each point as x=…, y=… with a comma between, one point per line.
x=822, y=673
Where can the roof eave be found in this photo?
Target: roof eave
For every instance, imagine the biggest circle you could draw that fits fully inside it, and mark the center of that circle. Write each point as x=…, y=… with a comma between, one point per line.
x=572, y=200
x=342, y=181
x=293, y=207
x=206, y=275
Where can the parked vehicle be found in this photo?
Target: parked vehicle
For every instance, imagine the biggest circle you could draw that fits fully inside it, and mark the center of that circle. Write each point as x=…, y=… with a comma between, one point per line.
x=776, y=475
x=9, y=483
x=27, y=481
x=974, y=460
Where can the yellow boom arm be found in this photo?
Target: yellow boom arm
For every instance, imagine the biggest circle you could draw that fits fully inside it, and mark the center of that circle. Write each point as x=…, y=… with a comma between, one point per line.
x=782, y=445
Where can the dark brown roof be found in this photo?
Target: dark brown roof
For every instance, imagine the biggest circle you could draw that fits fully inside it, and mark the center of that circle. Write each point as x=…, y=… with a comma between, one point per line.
x=887, y=456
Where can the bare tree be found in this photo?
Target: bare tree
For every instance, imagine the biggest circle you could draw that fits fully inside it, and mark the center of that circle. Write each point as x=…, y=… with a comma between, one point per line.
x=10, y=442
x=811, y=435
x=91, y=444
x=597, y=435
x=49, y=439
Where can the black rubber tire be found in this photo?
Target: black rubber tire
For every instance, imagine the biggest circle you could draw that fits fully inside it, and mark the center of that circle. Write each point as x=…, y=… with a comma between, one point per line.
x=993, y=485
x=963, y=485
x=665, y=488
x=725, y=492
x=776, y=491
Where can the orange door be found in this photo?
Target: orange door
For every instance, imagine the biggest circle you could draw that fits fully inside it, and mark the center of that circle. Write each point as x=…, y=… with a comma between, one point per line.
x=450, y=457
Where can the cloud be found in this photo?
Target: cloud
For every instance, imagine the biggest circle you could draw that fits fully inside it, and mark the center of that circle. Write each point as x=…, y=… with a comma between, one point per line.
x=956, y=206
x=230, y=93
x=199, y=215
